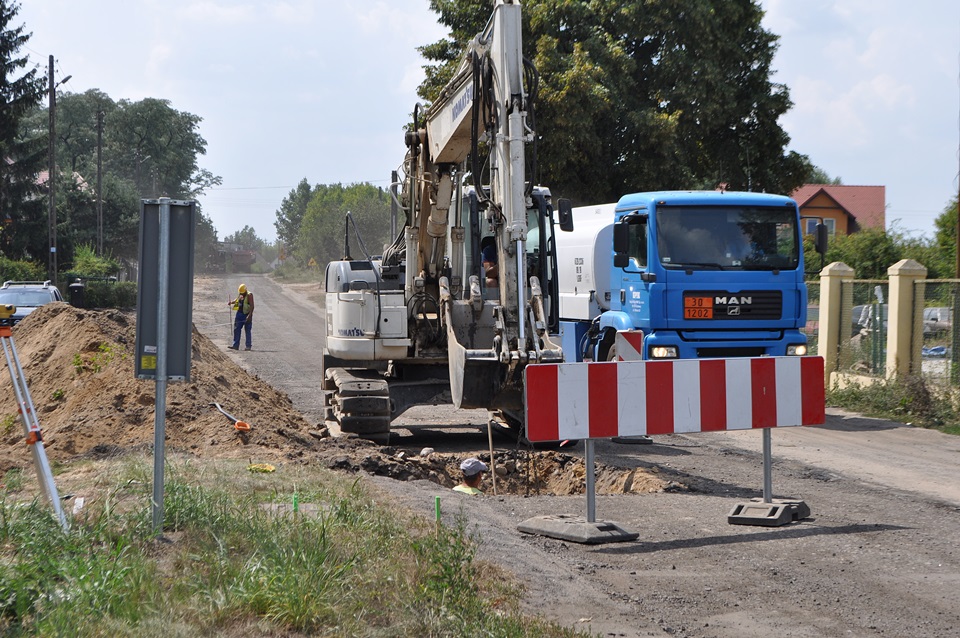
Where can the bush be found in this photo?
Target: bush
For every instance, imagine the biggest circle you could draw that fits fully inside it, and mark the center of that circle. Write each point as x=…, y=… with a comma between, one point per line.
x=102, y=294
x=907, y=399
x=11, y=270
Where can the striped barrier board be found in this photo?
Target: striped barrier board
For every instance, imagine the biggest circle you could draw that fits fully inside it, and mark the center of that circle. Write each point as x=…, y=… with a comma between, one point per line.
x=632, y=398
x=629, y=345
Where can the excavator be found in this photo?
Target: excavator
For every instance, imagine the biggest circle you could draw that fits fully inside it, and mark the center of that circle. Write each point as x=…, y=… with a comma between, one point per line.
x=421, y=324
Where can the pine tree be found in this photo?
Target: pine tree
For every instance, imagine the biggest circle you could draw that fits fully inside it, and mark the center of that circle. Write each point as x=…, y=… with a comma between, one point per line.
x=22, y=159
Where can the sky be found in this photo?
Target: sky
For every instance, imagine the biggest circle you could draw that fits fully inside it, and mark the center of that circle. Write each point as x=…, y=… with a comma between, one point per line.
x=315, y=89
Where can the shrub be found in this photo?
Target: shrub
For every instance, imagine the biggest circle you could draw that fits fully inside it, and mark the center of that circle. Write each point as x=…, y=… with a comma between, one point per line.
x=11, y=270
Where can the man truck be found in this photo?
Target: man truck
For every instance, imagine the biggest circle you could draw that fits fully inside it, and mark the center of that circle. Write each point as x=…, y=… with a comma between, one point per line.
x=688, y=274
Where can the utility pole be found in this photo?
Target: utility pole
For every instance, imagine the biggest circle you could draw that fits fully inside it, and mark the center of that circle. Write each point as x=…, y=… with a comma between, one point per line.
x=51, y=182
x=99, y=183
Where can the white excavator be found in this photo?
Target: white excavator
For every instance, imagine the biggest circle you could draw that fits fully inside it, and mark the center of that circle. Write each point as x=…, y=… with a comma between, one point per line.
x=422, y=324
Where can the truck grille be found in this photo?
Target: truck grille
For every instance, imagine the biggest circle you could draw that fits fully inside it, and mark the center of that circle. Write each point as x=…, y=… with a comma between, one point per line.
x=749, y=305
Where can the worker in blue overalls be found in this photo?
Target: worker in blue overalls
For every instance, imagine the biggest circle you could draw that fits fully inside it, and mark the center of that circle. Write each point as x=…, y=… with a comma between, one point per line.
x=243, y=320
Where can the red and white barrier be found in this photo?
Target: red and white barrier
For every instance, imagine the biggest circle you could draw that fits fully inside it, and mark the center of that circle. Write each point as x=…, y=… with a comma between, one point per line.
x=631, y=398
x=629, y=344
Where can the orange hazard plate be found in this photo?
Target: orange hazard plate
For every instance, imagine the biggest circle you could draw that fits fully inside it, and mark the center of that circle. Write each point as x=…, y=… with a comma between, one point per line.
x=698, y=307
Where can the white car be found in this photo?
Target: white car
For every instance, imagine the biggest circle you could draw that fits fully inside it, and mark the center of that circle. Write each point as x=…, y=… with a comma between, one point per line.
x=27, y=296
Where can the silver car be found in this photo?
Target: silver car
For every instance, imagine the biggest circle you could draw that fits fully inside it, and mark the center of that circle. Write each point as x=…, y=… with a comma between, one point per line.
x=27, y=296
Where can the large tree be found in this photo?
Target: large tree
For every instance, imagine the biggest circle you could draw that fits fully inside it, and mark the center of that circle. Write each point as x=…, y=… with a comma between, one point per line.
x=322, y=232
x=148, y=150
x=22, y=157
x=644, y=95
x=291, y=214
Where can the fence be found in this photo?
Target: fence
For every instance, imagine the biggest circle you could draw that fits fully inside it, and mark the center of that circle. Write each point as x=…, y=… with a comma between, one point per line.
x=875, y=329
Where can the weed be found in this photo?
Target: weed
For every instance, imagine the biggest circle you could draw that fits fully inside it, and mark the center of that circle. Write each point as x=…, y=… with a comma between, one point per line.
x=8, y=423
x=57, y=394
x=907, y=399
x=13, y=480
x=100, y=359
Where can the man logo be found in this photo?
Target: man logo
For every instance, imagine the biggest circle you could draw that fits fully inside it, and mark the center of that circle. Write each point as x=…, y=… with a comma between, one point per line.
x=733, y=311
x=725, y=301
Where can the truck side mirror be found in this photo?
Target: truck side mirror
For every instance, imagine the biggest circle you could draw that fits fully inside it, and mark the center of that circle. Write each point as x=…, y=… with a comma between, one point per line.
x=821, y=239
x=621, y=245
x=566, y=214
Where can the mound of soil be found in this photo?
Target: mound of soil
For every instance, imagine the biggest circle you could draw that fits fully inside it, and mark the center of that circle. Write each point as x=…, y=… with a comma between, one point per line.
x=79, y=368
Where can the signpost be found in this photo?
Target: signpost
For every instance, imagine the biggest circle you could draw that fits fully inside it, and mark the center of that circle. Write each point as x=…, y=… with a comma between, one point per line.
x=164, y=312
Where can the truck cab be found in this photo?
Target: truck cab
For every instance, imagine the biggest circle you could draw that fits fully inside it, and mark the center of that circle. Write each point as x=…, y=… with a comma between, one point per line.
x=701, y=274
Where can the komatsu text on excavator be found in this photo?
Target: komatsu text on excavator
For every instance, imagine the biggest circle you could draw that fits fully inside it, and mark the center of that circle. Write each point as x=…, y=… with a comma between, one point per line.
x=423, y=324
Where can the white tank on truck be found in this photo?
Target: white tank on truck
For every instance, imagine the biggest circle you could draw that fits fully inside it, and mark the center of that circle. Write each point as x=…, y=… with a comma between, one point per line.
x=583, y=262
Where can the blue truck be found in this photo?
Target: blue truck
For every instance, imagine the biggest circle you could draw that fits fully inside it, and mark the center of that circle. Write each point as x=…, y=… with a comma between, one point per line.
x=690, y=274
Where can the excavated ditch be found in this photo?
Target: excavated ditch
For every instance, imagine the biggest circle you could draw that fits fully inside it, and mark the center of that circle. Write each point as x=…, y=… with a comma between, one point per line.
x=519, y=472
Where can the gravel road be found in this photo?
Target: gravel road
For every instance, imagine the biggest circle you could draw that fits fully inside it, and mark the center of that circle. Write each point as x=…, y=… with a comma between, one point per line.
x=876, y=557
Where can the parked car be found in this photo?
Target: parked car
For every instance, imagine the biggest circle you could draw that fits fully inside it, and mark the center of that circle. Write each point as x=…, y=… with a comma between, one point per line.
x=937, y=321
x=27, y=296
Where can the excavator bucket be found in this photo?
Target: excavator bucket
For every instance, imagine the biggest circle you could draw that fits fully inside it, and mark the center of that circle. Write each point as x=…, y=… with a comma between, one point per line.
x=477, y=377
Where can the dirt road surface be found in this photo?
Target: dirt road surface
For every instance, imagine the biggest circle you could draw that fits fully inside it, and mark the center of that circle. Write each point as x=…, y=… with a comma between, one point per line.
x=877, y=556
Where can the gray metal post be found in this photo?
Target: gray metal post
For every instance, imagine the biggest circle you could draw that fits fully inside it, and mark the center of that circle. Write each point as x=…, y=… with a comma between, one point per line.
x=588, y=451
x=394, y=209
x=767, y=468
x=159, y=422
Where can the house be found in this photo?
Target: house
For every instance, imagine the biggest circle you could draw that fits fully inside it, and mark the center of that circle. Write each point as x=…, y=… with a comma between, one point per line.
x=844, y=209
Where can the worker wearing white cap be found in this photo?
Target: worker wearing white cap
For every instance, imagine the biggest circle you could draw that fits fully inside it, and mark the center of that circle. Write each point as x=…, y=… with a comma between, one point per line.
x=473, y=470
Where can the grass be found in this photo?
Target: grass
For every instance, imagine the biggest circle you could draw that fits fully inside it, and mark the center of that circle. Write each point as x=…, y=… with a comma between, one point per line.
x=909, y=400
x=234, y=560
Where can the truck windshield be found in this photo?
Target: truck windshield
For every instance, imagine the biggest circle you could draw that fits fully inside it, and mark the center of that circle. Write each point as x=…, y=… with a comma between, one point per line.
x=727, y=238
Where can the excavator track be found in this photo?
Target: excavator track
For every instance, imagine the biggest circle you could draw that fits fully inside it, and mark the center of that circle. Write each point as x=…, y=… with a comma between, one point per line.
x=359, y=402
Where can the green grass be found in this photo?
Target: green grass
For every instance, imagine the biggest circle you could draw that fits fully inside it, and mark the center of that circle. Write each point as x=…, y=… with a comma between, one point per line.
x=233, y=560
x=908, y=400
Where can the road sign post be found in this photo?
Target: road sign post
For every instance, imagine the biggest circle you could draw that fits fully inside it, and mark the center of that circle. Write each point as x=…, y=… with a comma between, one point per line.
x=164, y=313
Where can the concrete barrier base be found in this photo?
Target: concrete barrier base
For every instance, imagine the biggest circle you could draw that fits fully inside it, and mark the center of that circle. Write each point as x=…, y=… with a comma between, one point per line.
x=576, y=529
x=773, y=514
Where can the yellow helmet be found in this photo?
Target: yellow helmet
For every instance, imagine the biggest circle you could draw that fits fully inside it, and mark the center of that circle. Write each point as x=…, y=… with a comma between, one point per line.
x=243, y=288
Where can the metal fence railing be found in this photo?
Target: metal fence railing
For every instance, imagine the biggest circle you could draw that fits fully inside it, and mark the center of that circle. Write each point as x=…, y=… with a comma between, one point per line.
x=937, y=331
x=864, y=319
x=812, y=328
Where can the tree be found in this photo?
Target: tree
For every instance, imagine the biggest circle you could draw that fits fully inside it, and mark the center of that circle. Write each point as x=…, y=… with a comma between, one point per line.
x=321, y=234
x=148, y=149
x=247, y=237
x=641, y=96
x=944, y=251
x=291, y=213
x=206, y=248
x=22, y=208
x=869, y=252
x=157, y=147
x=819, y=176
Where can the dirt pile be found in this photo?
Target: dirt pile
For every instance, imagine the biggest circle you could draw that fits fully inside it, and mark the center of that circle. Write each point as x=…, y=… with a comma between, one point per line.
x=79, y=367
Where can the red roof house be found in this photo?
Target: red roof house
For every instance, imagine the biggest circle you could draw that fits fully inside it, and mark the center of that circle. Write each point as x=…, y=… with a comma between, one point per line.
x=844, y=209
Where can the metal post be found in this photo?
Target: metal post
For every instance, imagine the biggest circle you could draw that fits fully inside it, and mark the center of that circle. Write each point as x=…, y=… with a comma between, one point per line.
x=588, y=452
x=51, y=182
x=100, y=183
x=394, y=209
x=767, y=468
x=159, y=423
